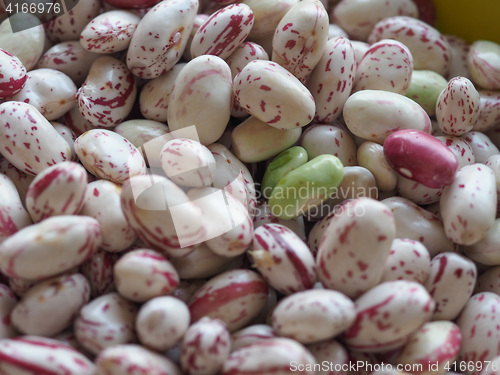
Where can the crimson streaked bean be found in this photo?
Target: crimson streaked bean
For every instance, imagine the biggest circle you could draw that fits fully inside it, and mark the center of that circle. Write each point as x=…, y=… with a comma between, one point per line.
x=14, y=215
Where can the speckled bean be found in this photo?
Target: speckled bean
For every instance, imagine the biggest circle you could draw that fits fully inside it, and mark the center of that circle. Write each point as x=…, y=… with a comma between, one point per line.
x=13, y=74
x=106, y=97
x=51, y=305
x=20, y=179
x=161, y=37
x=69, y=58
x=143, y=274
x=414, y=222
x=263, y=216
x=370, y=155
x=105, y=321
x=268, y=355
x=331, y=355
x=155, y=94
x=37, y=145
x=481, y=145
x=228, y=224
x=98, y=270
x=468, y=204
x=451, y=282
x=46, y=249
x=429, y=48
x=329, y=139
x=133, y=359
x=486, y=250
x=387, y=65
x=254, y=140
x=387, y=315
x=417, y=192
x=162, y=322
x=408, y=260
x=102, y=202
x=283, y=259
x=205, y=347
x=251, y=335
x=386, y=112
x=483, y=61
x=235, y=297
x=151, y=214
x=57, y=190
x=255, y=88
x=355, y=247
x=357, y=17
x=7, y=302
x=489, y=281
x=435, y=347
x=267, y=14
x=459, y=49
x=38, y=355
x=300, y=38
x=109, y=156
x=480, y=325
x=109, y=32
x=489, y=111
x=313, y=315
x=332, y=79
x=461, y=148
x=13, y=216
x=194, y=87
x=457, y=107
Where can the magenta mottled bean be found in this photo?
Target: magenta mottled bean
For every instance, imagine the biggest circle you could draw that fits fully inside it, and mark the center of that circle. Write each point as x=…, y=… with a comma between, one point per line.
x=12, y=213
x=98, y=270
x=408, y=260
x=13, y=75
x=7, y=302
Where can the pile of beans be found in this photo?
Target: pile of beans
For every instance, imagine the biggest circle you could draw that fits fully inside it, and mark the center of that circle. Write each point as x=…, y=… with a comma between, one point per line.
x=208, y=187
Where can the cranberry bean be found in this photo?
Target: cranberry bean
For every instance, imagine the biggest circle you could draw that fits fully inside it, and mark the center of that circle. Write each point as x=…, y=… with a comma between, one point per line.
x=481, y=145
x=50, y=247
x=143, y=274
x=205, y=347
x=13, y=74
x=108, y=93
x=264, y=216
x=468, y=205
x=68, y=136
x=345, y=261
x=331, y=353
x=162, y=322
x=7, y=302
x=420, y=157
x=50, y=306
x=418, y=193
x=370, y=155
x=360, y=49
x=300, y=38
x=104, y=322
x=435, y=346
x=461, y=148
x=161, y=37
x=313, y=315
x=98, y=270
x=194, y=87
x=451, y=282
x=235, y=297
x=109, y=156
x=155, y=94
x=267, y=15
x=358, y=17
x=27, y=45
x=69, y=58
x=408, y=260
x=70, y=25
x=332, y=79
x=257, y=95
x=76, y=122
x=429, y=48
x=102, y=202
x=386, y=112
x=28, y=140
x=387, y=65
x=130, y=359
x=251, y=335
x=483, y=61
x=57, y=190
x=489, y=281
x=109, y=32
x=459, y=49
x=283, y=259
x=489, y=111
x=485, y=251
x=170, y=224
x=13, y=215
x=39, y=355
x=479, y=324
x=20, y=179
x=414, y=222
x=387, y=315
